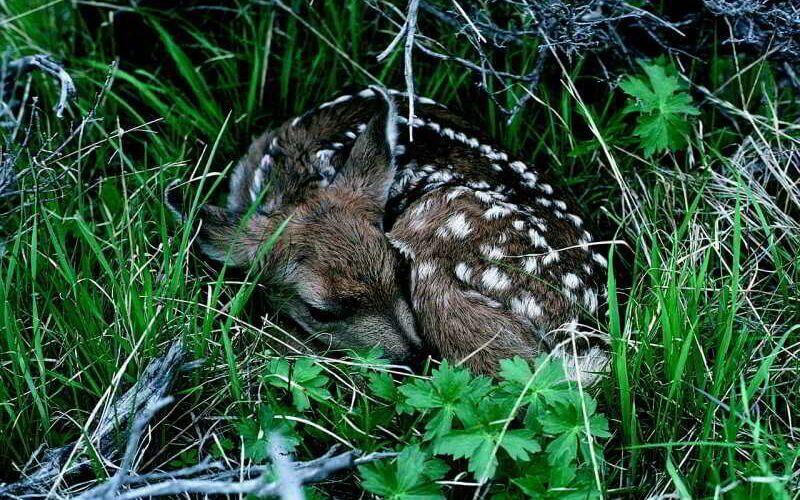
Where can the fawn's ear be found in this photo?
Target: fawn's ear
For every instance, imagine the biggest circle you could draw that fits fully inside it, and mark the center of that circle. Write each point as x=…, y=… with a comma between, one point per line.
x=370, y=168
x=223, y=235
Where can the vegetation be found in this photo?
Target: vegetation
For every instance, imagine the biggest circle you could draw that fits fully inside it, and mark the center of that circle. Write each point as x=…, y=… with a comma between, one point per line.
x=688, y=165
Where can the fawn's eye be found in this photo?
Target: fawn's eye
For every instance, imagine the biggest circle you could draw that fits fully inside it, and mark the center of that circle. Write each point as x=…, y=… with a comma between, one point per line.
x=327, y=316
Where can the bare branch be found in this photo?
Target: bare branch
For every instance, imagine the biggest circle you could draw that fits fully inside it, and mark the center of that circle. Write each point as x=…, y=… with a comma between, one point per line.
x=408, y=30
x=13, y=71
x=141, y=400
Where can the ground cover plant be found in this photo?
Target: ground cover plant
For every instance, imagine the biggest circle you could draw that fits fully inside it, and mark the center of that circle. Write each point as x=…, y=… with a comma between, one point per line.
x=674, y=127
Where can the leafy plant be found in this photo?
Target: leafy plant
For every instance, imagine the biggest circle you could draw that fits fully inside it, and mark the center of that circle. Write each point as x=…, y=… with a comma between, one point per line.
x=664, y=107
x=478, y=420
x=304, y=380
x=256, y=434
x=448, y=392
x=411, y=476
x=483, y=435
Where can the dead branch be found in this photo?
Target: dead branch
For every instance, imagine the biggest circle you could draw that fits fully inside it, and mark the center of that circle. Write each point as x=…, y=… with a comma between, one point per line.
x=130, y=416
x=141, y=400
x=227, y=482
x=407, y=31
x=11, y=73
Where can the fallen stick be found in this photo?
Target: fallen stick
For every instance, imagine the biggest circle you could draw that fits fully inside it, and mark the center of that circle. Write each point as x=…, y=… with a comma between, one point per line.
x=130, y=415
x=146, y=393
x=14, y=70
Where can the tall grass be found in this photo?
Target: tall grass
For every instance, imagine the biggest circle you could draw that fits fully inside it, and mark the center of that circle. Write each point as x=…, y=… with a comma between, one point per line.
x=703, y=390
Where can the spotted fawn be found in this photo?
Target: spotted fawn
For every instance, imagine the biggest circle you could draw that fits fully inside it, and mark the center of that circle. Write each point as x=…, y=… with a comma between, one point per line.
x=443, y=240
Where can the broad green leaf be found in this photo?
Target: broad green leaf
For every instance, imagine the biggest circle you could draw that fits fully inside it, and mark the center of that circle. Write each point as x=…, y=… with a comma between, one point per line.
x=412, y=476
x=663, y=106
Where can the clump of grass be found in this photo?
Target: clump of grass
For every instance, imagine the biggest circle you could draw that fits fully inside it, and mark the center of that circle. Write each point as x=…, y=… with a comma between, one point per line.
x=702, y=396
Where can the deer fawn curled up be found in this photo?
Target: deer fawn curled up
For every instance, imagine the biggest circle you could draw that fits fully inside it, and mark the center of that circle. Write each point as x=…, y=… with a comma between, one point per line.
x=442, y=241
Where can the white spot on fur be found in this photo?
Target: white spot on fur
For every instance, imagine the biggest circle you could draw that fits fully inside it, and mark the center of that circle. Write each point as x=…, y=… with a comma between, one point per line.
x=537, y=239
x=518, y=166
x=560, y=204
x=571, y=281
x=336, y=101
x=590, y=300
x=361, y=127
x=434, y=126
x=531, y=265
x=544, y=202
x=366, y=93
x=496, y=167
x=546, y=188
x=421, y=208
x=495, y=279
x=458, y=225
x=599, y=259
x=496, y=212
x=587, y=366
x=403, y=248
x=441, y=176
x=255, y=187
x=350, y=135
x=519, y=225
x=463, y=272
x=296, y=121
x=551, y=257
x=455, y=193
x=526, y=306
x=575, y=220
x=484, y=196
x=492, y=252
x=479, y=185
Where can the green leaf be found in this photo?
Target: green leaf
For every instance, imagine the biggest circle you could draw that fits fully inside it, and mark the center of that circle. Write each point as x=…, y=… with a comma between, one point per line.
x=483, y=436
x=664, y=108
x=256, y=434
x=303, y=380
x=382, y=386
x=448, y=390
x=519, y=444
x=565, y=421
x=412, y=476
x=546, y=383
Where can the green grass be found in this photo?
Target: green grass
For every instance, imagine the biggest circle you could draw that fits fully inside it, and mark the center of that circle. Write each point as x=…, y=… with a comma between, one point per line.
x=703, y=395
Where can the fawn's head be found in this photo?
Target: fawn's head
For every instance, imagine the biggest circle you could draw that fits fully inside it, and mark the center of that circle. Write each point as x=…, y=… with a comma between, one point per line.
x=331, y=247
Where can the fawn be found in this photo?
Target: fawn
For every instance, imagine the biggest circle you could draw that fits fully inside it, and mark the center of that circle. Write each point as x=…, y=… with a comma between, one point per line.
x=494, y=263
